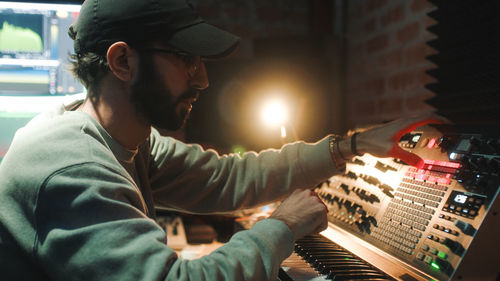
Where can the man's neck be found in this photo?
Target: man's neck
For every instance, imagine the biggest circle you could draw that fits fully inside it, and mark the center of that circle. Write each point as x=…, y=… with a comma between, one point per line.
x=115, y=112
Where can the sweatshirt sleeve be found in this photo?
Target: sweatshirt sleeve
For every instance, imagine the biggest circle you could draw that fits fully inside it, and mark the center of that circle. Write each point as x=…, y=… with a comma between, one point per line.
x=187, y=178
x=90, y=225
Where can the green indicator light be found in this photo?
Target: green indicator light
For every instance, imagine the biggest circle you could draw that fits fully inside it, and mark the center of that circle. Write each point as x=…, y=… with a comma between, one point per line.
x=347, y=258
x=442, y=254
x=435, y=265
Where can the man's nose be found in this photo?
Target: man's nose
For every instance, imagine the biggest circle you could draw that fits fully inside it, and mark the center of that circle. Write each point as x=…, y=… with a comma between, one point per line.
x=200, y=80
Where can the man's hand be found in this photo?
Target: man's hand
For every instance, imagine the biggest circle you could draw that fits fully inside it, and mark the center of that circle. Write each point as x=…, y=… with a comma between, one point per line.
x=303, y=212
x=382, y=141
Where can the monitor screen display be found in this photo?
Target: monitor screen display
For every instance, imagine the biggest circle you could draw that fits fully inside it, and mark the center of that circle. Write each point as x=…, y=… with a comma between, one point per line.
x=34, y=63
x=34, y=49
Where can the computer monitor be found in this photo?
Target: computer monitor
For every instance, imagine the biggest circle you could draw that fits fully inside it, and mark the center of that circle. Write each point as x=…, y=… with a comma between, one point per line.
x=34, y=58
x=34, y=49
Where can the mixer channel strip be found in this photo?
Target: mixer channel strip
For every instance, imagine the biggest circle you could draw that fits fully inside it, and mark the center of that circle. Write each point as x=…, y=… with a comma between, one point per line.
x=334, y=262
x=409, y=213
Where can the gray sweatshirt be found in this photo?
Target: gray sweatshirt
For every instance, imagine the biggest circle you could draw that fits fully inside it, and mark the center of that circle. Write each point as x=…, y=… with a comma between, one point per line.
x=76, y=205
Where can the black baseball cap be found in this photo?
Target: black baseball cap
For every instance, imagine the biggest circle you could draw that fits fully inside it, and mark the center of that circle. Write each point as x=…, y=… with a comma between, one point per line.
x=103, y=22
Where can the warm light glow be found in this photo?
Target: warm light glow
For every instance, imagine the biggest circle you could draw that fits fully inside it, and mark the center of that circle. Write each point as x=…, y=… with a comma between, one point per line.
x=274, y=113
x=283, y=132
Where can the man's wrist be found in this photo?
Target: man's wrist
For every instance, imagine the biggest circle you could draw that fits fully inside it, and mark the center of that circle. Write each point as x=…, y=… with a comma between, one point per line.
x=343, y=149
x=336, y=144
x=360, y=144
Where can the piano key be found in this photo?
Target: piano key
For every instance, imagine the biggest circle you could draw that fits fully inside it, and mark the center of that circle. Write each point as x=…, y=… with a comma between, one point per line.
x=332, y=262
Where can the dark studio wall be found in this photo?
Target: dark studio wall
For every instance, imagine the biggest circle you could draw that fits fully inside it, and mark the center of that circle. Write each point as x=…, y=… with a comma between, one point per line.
x=386, y=60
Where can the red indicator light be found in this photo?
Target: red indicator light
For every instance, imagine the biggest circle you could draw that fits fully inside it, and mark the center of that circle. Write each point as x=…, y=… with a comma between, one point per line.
x=443, y=181
x=431, y=143
x=442, y=163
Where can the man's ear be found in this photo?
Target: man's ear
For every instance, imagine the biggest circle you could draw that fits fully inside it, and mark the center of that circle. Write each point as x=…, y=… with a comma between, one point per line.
x=121, y=60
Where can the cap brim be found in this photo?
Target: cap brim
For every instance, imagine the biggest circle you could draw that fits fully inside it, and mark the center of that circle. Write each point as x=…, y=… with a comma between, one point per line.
x=205, y=40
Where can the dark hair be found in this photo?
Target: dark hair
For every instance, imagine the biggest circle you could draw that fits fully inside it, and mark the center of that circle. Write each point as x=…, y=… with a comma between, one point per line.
x=89, y=68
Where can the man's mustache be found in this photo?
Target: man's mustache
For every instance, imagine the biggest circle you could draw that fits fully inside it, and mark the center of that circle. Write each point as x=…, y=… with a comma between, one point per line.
x=189, y=94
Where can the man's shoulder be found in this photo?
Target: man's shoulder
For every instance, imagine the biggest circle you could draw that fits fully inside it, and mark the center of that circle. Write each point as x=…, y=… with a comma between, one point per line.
x=69, y=132
x=48, y=144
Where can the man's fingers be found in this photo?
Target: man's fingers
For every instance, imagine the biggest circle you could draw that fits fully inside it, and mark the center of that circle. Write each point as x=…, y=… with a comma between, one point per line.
x=319, y=199
x=407, y=157
x=417, y=122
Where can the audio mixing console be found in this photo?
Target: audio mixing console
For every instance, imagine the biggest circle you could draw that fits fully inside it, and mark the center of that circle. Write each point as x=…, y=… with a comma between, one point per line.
x=438, y=222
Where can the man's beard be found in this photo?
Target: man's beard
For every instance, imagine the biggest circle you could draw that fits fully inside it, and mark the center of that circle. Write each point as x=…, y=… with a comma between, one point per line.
x=154, y=102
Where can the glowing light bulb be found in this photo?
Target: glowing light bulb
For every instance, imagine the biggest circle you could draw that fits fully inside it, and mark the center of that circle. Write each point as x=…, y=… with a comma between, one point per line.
x=274, y=113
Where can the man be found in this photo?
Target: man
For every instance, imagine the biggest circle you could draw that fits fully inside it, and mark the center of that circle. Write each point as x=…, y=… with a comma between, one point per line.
x=79, y=185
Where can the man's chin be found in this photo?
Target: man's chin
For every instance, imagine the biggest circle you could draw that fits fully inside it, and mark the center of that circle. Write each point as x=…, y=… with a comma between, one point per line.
x=171, y=124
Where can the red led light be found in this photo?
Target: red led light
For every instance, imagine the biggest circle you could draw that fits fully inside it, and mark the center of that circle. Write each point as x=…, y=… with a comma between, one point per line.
x=443, y=181
x=431, y=143
x=442, y=163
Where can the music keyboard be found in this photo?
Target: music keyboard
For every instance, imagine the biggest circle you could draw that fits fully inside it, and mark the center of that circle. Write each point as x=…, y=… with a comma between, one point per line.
x=317, y=258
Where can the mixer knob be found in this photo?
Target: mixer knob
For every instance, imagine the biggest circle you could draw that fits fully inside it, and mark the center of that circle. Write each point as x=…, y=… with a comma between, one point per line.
x=328, y=197
x=360, y=227
x=366, y=225
x=372, y=220
x=444, y=265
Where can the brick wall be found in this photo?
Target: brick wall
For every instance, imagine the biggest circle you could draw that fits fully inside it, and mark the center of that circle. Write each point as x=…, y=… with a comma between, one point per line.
x=386, y=62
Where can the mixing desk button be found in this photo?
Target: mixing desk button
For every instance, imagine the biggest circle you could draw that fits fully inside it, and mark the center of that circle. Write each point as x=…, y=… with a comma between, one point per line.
x=454, y=246
x=442, y=254
x=420, y=256
x=465, y=227
x=442, y=265
x=428, y=259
